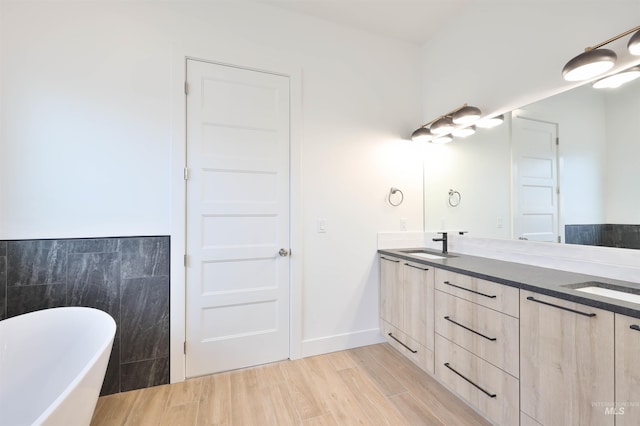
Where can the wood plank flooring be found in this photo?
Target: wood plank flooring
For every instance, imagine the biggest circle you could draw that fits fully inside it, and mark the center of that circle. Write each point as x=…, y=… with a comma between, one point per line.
x=372, y=385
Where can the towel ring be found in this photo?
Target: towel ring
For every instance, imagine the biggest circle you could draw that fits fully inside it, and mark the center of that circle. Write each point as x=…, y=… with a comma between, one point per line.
x=454, y=198
x=392, y=191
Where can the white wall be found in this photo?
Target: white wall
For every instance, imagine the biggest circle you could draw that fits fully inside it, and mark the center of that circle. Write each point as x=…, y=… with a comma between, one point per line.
x=86, y=118
x=92, y=114
x=622, y=203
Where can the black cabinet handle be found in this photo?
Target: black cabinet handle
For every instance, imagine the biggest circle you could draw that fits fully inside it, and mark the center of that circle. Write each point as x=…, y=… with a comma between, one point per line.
x=562, y=307
x=493, y=339
x=472, y=291
x=417, y=267
x=635, y=327
x=396, y=339
x=490, y=395
x=390, y=260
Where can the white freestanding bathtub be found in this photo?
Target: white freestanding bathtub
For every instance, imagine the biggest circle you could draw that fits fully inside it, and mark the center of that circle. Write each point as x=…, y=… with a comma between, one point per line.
x=52, y=365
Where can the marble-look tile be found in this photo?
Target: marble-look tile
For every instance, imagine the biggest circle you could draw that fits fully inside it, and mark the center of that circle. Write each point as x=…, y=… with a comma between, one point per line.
x=607, y=235
x=94, y=281
x=3, y=248
x=583, y=234
x=3, y=287
x=144, y=319
x=145, y=257
x=33, y=262
x=111, y=383
x=622, y=236
x=144, y=374
x=23, y=299
x=94, y=245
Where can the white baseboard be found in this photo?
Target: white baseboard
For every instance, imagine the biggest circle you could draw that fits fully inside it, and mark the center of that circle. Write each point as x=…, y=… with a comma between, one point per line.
x=341, y=342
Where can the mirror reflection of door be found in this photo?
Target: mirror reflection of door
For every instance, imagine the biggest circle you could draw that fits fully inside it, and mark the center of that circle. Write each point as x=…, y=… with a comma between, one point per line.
x=534, y=150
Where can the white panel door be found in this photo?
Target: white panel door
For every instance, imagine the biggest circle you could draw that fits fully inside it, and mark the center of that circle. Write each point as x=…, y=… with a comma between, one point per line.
x=535, y=186
x=237, y=218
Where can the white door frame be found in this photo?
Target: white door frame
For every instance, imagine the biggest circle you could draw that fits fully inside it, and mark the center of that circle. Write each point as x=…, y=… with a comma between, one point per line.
x=178, y=200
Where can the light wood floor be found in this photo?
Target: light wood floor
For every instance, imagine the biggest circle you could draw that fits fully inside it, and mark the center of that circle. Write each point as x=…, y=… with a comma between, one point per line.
x=373, y=385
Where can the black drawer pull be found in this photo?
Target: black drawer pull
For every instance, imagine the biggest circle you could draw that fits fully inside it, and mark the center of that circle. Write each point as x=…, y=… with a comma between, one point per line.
x=472, y=291
x=390, y=260
x=562, y=307
x=417, y=267
x=635, y=327
x=490, y=395
x=396, y=339
x=493, y=339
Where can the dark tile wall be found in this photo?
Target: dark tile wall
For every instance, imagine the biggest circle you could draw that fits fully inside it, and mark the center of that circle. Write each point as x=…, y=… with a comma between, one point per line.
x=607, y=235
x=126, y=277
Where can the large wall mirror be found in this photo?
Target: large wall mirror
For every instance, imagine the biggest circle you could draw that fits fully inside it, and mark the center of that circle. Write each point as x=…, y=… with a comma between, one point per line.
x=513, y=180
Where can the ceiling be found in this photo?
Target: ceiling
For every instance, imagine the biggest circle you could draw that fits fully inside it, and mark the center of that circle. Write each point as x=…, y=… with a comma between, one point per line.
x=409, y=20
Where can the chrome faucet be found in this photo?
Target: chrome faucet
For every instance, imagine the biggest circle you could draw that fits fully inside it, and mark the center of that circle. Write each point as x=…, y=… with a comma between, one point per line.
x=444, y=241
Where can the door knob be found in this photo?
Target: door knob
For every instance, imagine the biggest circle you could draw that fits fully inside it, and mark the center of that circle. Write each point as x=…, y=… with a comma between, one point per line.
x=283, y=252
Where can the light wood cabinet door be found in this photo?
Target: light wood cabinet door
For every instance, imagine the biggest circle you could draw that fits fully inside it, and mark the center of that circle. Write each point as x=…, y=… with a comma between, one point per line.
x=406, y=309
x=566, y=367
x=391, y=291
x=627, y=409
x=418, y=303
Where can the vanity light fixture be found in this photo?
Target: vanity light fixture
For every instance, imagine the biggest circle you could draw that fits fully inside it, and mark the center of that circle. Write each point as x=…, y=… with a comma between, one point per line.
x=488, y=123
x=595, y=61
x=466, y=115
x=439, y=130
x=422, y=135
x=442, y=126
x=442, y=139
x=634, y=44
x=617, y=80
x=464, y=131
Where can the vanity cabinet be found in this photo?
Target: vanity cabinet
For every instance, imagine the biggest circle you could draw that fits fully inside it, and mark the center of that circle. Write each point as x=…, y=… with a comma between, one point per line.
x=567, y=363
x=627, y=376
x=406, y=309
x=477, y=343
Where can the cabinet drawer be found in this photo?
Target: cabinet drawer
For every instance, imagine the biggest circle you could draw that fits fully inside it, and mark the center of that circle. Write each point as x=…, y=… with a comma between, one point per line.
x=490, y=390
x=417, y=353
x=486, y=293
x=489, y=334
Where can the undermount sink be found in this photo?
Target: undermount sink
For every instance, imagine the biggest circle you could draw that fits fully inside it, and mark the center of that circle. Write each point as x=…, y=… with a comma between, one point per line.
x=426, y=255
x=609, y=290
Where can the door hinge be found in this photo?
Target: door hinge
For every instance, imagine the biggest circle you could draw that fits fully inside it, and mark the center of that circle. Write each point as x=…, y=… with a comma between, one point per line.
x=557, y=141
x=186, y=173
x=559, y=239
x=558, y=190
x=185, y=260
x=186, y=88
x=184, y=347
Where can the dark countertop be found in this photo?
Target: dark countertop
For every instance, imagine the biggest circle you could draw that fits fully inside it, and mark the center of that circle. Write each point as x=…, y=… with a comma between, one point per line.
x=533, y=278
